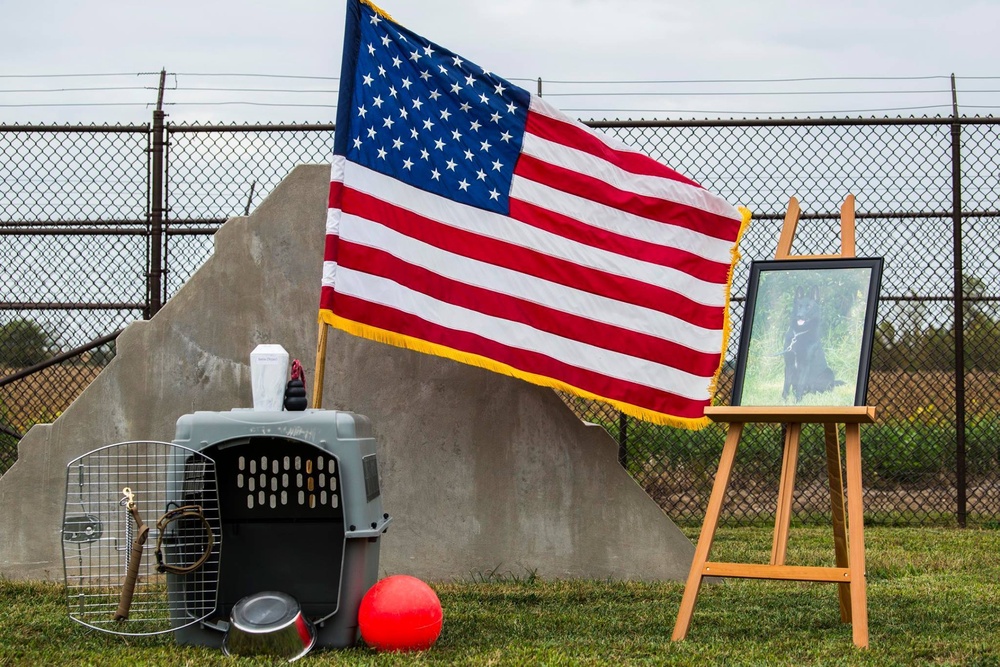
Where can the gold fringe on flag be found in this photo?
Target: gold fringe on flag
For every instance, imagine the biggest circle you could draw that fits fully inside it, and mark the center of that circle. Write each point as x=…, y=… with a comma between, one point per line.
x=378, y=10
x=727, y=323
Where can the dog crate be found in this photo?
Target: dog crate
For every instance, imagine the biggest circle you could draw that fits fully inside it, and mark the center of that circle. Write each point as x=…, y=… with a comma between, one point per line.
x=300, y=513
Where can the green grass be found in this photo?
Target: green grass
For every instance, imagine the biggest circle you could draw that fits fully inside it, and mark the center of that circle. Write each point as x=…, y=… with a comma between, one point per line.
x=933, y=598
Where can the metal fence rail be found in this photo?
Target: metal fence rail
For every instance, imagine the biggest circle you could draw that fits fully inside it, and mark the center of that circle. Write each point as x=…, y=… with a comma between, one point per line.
x=101, y=225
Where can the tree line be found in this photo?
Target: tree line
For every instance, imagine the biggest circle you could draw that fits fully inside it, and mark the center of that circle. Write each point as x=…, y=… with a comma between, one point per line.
x=25, y=342
x=915, y=346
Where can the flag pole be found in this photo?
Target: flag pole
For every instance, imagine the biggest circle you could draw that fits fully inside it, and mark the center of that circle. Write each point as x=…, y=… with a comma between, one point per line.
x=317, y=402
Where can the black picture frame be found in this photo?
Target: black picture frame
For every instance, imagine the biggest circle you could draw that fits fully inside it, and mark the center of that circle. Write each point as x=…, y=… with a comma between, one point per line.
x=807, y=332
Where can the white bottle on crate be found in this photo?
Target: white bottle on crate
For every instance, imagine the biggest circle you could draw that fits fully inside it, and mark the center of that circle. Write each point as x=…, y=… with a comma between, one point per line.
x=268, y=376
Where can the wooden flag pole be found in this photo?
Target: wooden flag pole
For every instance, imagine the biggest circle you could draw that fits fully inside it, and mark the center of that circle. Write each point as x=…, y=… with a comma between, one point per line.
x=318, y=376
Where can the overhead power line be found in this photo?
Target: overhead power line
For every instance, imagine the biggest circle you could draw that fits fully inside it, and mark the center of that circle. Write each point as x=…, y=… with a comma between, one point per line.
x=262, y=76
x=644, y=94
x=790, y=93
x=758, y=112
x=67, y=76
x=248, y=103
x=253, y=90
x=788, y=80
x=82, y=104
x=75, y=90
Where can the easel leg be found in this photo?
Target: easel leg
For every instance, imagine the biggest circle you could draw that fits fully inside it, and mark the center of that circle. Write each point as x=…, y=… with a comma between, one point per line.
x=786, y=490
x=836, y=477
x=856, y=528
x=320, y=366
x=704, y=546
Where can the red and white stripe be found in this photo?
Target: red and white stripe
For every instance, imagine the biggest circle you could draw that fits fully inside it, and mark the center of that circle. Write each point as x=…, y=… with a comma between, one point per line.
x=609, y=276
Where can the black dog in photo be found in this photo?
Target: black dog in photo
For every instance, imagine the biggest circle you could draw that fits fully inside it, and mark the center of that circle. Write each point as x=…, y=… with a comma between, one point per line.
x=806, y=369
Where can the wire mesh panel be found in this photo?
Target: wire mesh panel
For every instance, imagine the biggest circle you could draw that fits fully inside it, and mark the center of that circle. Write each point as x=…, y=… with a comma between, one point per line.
x=148, y=508
x=73, y=211
x=8, y=449
x=901, y=173
x=73, y=256
x=218, y=172
x=40, y=397
x=981, y=318
x=73, y=173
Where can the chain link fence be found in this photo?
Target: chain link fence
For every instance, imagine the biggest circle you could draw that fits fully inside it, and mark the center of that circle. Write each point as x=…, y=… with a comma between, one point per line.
x=215, y=172
x=934, y=455
x=76, y=262
x=73, y=258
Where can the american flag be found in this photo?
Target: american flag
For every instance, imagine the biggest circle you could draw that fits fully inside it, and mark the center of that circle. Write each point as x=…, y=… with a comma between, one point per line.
x=470, y=219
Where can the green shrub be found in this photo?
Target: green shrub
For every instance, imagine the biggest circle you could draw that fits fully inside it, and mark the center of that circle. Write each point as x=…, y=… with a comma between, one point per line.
x=24, y=342
x=893, y=452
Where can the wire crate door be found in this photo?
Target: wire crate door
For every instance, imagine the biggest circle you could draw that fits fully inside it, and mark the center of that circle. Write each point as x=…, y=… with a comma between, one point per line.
x=141, y=538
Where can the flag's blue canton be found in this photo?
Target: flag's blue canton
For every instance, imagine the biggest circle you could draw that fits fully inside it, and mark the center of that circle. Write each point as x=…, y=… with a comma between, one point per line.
x=427, y=117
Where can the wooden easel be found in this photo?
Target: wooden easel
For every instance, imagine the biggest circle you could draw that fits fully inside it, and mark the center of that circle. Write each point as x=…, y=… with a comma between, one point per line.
x=848, y=535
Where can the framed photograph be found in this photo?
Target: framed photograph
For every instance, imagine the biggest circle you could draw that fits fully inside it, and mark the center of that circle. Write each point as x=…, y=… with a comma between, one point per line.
x=807, y=332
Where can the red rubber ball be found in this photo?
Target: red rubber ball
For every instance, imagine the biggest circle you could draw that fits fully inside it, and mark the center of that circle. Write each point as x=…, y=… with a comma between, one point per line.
x=400, y=613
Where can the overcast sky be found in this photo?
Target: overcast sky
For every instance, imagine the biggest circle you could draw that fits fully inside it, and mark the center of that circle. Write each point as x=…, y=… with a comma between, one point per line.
x=570, y=44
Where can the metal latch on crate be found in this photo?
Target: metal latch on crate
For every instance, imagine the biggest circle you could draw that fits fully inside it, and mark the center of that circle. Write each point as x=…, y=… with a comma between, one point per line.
x=82, y=528
x=374, y=530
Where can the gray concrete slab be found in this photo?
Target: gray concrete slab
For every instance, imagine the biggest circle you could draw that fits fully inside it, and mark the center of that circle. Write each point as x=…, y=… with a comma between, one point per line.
x=482, y=473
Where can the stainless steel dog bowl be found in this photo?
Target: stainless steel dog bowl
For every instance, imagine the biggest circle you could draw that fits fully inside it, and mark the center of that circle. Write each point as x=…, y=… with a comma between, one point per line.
x=269, y=623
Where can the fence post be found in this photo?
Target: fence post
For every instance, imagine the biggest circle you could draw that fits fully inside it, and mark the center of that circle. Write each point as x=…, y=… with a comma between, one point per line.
x=154, y=276
x=959, y=327
x=623, y=440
